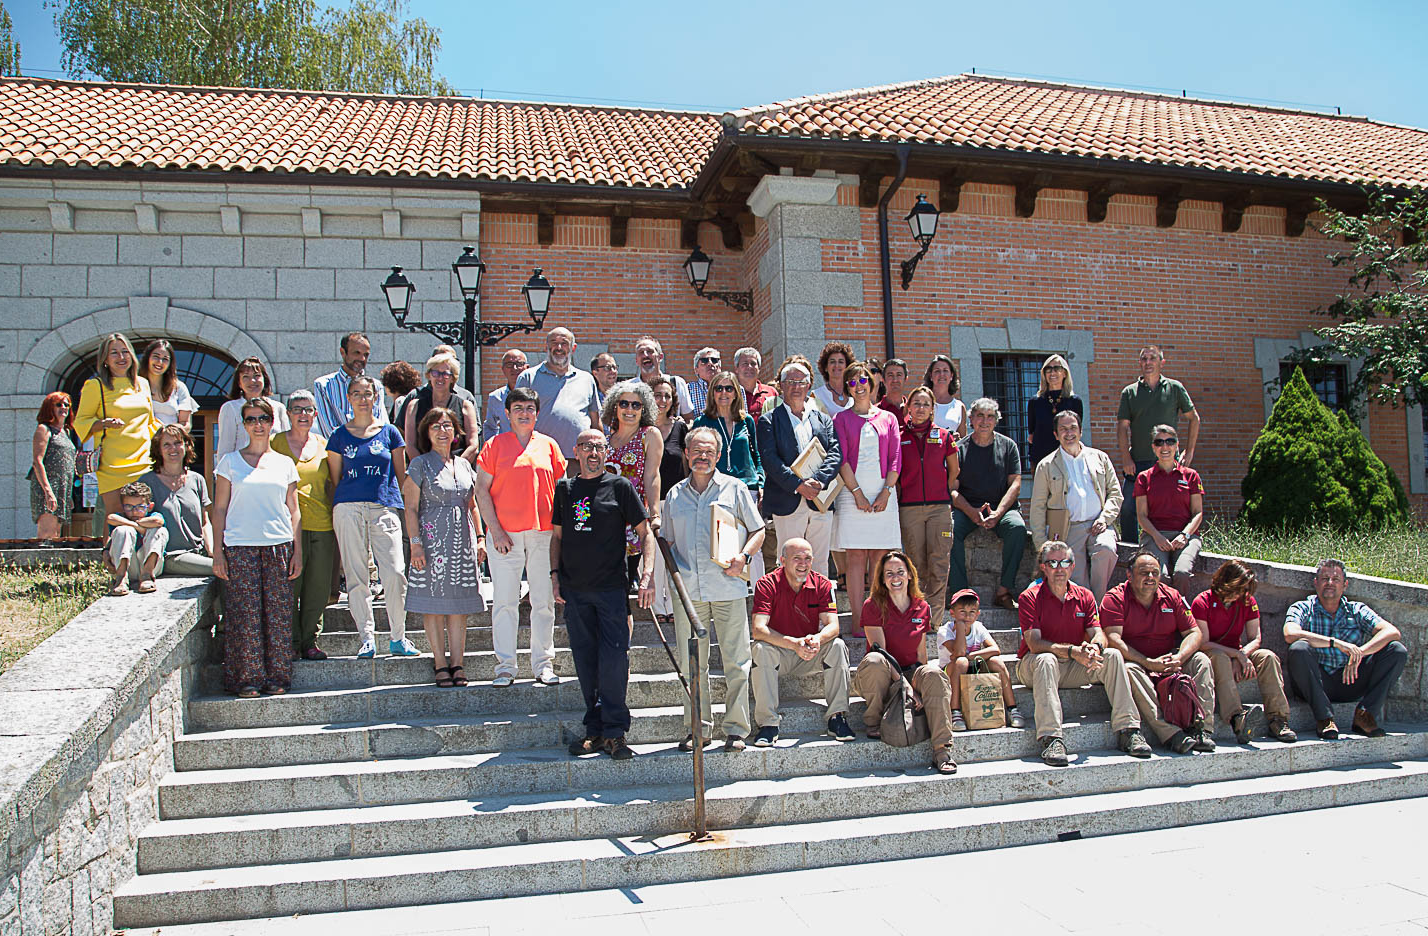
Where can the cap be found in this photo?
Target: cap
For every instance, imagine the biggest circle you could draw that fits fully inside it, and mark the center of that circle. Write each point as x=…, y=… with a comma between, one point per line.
x=965, y=593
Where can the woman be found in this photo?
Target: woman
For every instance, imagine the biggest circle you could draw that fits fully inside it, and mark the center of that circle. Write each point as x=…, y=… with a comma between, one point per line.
x=636, y=448
x=1054, y=396
x=739, y=456
x=865, y=518
x=672, y=470
x=255, y=517
x=447, y=546
x=311, y=591
x=367, y=462
x=924, y=490
x=832, y=363
x=401, y=381
x=250, y=379
x=1170, y=506
x=173, y=405
x=51, y=475
x=442, y=372
x=181, y=498
x=116, y=413
x=948, y=411
x=898, y=621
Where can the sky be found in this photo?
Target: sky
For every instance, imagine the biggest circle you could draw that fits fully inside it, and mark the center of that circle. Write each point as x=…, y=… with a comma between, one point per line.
x=1365, y=58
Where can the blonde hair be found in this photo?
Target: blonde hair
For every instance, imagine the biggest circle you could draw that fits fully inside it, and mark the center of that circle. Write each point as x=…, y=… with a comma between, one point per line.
x=1056, y=360
x=101, y=365
x=444, y=358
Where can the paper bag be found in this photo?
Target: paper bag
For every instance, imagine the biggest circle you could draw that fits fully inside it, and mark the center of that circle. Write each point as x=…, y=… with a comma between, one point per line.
x=982, y=704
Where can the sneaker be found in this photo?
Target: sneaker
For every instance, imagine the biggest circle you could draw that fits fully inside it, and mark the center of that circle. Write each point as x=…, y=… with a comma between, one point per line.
x=838, y=728
x=1133, y=742
x=1366, y=725
x=1279, y=730
x=503, y=680
x=1181, y=743
x=590, y=744
x=958, y=722
x=766, y=737
x=367, y=650
x=618, y=749
x=1014, y=718
x=733, y=742
x=1239, y=724
x=547, y=677
x=314, y=653
x=1328, y=731
x=402, y=648
x=1053, y=752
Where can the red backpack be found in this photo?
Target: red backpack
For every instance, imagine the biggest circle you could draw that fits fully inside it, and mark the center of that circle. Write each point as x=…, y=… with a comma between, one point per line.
x=1179, y=702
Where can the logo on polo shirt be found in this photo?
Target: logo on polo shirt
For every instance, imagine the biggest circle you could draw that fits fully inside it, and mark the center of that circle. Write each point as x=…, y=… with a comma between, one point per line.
x=1167, y=610
x=932, y=435
x=917, y=620
x=1080, y=613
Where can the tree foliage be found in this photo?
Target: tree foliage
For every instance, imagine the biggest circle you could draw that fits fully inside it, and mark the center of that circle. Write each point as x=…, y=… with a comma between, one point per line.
x=1312, y=467
x=9, y=48
x=368, y=47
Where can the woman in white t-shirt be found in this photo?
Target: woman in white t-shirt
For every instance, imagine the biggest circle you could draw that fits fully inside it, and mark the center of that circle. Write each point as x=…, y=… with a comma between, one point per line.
x=960, y=640
x=250, y=379
x=948, y=411
x=255, y=518
x=173, y=404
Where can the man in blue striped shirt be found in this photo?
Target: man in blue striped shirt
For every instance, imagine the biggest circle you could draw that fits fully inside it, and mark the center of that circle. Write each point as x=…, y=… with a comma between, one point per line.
x=1341, y=651
x=330, y=390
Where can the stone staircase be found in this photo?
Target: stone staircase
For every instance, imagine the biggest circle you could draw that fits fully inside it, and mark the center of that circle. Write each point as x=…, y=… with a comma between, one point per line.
x=368, y=787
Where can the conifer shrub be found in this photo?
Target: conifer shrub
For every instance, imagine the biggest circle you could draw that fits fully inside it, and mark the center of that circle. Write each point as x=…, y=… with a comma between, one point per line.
x=1313, y=467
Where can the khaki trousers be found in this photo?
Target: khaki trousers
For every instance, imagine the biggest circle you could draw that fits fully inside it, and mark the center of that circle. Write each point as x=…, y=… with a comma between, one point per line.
x=875, y=678
x=368, y=527
x=729, y=620
x=137, y=546
x=1046, y=673
x=927, y=538
x=1095, y=556
x=771, y=662
x=1143, y=691
x=1269, y=675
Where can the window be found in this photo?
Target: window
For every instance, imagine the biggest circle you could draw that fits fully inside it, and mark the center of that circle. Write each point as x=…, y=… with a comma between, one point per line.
x=1330, y=381
x=1013, y=381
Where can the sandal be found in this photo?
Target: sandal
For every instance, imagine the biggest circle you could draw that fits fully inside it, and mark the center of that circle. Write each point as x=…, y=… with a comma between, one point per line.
x=147, y=586
x=119, y=589
x=458, y=675
x=443, y=682
x=275, y=690
x=944, y=763
x=248, y=692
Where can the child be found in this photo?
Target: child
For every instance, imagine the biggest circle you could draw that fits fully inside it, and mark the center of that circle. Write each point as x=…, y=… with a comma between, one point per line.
x=962, y=627
x=136, y=532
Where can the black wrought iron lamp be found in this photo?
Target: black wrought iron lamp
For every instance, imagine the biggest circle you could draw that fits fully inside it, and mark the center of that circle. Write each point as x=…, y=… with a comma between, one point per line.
x=922, y=219
x=697, y=266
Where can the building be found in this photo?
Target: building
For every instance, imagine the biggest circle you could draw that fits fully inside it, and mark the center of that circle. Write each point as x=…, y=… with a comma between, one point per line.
x=1087, y=221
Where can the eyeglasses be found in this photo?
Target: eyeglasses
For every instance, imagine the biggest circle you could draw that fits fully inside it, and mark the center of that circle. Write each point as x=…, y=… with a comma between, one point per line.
x=1059, y=563
x=797, y=382
x=859, y=381
x=254, y=420
x=442, y=427
x=725, y=389
x=1161, y=443
x=134, y=508
x=444, y=374
x=302, y=410
x=629, y=404
x=708, y=360
x=607, y=367
x=62, y=406
x=592, y=446
x=362, y=395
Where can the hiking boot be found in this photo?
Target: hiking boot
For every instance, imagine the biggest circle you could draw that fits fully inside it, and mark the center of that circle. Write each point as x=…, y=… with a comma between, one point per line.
x=1328, y=731
x=1279, y=730
x=1132, y=742
x=1053, y=752
x=1181, y=743
x=1366, y=725
x=1202, y=741
x=618, y=749
x=1239, y=724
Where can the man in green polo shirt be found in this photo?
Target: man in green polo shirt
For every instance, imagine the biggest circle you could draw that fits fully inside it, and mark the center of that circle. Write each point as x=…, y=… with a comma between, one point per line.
x=1152, y=400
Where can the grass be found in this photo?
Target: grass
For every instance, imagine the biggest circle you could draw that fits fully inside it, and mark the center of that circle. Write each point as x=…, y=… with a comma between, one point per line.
x=36, y=602
x=1396, y=553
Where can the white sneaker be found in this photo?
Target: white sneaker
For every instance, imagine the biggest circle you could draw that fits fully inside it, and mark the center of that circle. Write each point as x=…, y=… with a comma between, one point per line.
x=367, y=651
x=503, y=680
x=958, y=722
x=1015, y=719
x=547, y=677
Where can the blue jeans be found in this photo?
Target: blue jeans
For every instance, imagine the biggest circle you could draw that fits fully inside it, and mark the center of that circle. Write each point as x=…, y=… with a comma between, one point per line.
x=1130, y=526
x=600, y=643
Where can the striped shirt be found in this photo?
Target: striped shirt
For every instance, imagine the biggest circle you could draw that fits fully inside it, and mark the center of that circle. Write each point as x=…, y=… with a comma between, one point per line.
x=1353, y=622
x=333, y=408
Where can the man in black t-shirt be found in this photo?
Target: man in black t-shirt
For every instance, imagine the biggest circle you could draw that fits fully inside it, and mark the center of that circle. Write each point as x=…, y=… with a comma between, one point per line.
x=587, y=559
x=988, y=485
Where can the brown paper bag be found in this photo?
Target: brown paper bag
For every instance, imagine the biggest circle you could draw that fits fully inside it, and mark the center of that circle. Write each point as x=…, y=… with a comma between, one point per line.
x=982, y=704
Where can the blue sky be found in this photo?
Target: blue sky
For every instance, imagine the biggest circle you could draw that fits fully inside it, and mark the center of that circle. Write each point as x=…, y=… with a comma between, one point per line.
x=1366, y=57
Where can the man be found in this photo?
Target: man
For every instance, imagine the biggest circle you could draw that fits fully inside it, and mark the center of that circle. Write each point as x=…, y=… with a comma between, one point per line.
x=1341, y=651
x=649, y=357
x=782, y=435
x=1153, y=399
x=988, y=486
x=747, y=363
x=718, y=593
x=331, y=389
x=1143, y=619
x=568, y=403
x=513, y=362
x=894, y=384
x=587, y=566
x=606, y=373
x=1062, y=645
x=706, y=365
x=1075, y=498
x=796, y=634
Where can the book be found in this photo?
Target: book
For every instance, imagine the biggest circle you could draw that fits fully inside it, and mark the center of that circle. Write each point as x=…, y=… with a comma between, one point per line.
x=726, y=538
x=806, y=465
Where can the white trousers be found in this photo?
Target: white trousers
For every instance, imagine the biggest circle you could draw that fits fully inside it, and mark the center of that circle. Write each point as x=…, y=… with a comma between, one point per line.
x=530, y=553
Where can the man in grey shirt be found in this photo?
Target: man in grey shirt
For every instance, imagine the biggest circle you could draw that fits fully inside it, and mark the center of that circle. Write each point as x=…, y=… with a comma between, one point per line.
x=568, y=395
x=988, y=485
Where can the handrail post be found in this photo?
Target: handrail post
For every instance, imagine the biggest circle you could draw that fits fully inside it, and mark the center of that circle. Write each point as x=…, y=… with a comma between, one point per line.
x=692, y=686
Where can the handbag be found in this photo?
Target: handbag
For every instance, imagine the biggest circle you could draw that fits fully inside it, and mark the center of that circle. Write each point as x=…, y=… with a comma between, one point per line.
x=86, y=461
x=903, y=725
x=982, y=704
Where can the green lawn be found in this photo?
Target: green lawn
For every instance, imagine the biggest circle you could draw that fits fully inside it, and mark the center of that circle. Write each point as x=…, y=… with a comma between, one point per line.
x=1399, y=553
x=36, y=602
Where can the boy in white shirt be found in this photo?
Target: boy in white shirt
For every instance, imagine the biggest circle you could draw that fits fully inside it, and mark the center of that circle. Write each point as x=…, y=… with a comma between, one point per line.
x=961, y=639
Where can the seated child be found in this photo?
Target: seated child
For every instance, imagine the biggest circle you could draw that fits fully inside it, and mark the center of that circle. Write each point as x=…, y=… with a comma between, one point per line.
x=137, y=540
x=963, y=638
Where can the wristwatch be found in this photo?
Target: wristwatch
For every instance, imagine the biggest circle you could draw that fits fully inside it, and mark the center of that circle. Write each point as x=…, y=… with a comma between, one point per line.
x=748, y=558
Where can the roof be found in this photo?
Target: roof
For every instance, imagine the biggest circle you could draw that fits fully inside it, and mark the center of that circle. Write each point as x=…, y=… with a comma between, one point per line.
x=1031, y=116
x=99, y=125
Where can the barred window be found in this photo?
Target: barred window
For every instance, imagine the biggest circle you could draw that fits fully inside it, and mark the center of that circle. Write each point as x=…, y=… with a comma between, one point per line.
x=1329, y=381
x=1013, y=381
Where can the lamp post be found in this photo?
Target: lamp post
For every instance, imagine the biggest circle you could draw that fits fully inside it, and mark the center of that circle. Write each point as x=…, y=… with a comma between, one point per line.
x=922, y=219
x=697, y=266
x=469, y=333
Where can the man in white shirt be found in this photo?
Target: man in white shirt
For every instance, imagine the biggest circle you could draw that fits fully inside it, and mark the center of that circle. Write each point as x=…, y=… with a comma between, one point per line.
x=333, y=410
x=1075, y=498
x=649, y=356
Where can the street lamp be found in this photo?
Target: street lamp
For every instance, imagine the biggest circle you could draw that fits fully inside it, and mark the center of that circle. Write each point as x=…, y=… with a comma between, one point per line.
x=922, y=220
x=468, y=333
x=697, y=266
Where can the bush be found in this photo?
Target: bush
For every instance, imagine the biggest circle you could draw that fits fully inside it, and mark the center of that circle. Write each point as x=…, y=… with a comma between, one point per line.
x=1312, y=467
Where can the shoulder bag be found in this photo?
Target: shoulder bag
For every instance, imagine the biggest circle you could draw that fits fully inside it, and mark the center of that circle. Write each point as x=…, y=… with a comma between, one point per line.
x=903, y=725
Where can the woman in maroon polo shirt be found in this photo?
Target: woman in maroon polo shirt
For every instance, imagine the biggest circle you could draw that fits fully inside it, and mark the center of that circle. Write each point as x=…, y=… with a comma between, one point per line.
x=1170, y=506
x=897, y=618
x=924, y=495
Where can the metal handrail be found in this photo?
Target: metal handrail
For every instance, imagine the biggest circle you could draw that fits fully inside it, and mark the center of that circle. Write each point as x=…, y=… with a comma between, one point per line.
x=698, y=632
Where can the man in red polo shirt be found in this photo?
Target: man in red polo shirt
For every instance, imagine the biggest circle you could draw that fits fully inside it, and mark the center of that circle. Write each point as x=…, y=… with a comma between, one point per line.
x=795, y=631
x=1147, y=621
x=1062, y=645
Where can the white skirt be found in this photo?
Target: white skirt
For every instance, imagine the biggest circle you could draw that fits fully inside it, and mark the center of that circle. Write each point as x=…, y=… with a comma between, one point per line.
x=857, y=529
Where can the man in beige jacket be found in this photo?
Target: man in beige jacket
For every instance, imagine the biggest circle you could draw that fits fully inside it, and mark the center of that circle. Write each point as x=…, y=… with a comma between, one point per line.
x=1075, y=498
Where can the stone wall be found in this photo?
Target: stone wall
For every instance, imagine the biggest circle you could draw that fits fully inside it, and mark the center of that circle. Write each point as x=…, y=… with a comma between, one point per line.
x=87, y=723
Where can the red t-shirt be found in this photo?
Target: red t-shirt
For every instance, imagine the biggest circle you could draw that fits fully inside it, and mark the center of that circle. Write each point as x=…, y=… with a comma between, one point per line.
x=794, y=613
x=903, y=631
x=1152, y=631
x=1226, y=622
x=1069, y=621
x=1167, y=496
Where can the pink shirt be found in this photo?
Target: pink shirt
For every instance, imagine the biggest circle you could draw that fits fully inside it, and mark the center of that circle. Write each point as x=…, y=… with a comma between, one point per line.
x=849, y=425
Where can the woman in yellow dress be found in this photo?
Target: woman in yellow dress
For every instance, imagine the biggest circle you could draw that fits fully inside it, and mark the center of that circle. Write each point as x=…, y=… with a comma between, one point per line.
x=116, y=411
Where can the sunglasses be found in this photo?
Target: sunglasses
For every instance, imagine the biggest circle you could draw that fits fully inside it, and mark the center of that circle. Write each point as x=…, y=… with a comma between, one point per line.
x=254, y=420
x=1059, y=563
x=1160, y=443
x=606, y=367
x=709, y=360
x=724, y=389
x=447, y=375
x=629, y=404
x=858, y=381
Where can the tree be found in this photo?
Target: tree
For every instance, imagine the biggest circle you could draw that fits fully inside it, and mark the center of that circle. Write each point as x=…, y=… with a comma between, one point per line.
x=1311, y=466
x=9, y=48
x=368, y=47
